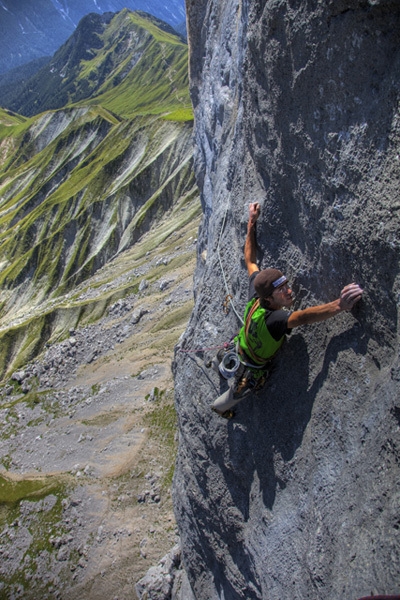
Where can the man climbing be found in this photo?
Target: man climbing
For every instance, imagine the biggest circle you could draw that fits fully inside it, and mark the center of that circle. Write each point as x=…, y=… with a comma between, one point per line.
x=267, y=322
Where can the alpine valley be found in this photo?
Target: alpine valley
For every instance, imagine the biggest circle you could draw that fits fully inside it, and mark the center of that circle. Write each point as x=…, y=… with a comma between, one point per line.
x=99, y=213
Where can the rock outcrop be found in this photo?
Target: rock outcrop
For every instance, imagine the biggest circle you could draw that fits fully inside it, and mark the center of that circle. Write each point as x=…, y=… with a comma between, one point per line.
x=297, y=107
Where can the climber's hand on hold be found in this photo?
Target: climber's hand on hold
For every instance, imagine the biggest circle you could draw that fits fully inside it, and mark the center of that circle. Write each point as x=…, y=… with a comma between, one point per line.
x=254, y=212
x=349, y=295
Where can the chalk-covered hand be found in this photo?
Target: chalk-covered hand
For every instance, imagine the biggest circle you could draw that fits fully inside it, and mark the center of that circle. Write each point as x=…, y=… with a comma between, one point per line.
x=349, y=295
x=254, y=212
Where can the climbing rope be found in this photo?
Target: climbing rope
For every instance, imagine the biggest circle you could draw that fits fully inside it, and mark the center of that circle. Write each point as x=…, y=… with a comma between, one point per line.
x=194, y=350
x=228, y=298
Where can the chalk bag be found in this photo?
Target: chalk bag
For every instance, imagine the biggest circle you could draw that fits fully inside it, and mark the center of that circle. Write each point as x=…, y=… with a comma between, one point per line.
x=229, y=365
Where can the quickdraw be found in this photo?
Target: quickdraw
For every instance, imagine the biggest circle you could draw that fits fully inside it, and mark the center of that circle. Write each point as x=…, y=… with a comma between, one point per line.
x=226, y=303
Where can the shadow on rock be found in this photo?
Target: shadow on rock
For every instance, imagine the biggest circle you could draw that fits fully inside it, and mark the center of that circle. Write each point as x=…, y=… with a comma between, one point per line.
x=269, y=427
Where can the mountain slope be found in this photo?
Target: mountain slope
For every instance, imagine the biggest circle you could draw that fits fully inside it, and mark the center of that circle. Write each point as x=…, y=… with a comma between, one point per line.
x=99, y=214
x=129, y=63
x=81, y=184
x=101, y=398
x=30, y=30
x=77, y=188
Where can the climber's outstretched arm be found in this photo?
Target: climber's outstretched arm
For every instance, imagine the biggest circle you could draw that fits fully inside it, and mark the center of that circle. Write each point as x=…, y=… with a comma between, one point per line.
x=349, y=295
x=250, y=246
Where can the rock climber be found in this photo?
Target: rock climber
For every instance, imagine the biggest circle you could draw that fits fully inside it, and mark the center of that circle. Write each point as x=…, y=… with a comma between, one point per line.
x=267, y=321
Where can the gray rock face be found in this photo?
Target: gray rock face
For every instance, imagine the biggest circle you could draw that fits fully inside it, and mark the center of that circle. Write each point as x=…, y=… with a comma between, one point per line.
x=296, y=107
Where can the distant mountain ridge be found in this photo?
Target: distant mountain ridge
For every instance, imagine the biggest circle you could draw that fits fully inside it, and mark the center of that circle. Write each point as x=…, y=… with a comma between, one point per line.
x=134, y=49
x=31, y=30
x=172, y=12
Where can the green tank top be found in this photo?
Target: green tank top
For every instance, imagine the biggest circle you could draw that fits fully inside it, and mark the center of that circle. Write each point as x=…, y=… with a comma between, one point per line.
x=258, y=343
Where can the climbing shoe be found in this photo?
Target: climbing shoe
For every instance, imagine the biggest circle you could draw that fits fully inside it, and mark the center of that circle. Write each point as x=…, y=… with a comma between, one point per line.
x=227, y=414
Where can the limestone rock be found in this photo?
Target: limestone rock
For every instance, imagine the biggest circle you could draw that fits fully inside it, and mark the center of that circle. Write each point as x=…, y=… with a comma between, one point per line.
x=296, y=107
x=18, y=376
x=158, y=583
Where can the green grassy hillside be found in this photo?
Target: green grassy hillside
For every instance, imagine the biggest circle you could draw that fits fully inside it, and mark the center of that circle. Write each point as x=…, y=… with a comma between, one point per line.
x=154, y=81
x=130, y=63
x=81, y=184
x=92, y=190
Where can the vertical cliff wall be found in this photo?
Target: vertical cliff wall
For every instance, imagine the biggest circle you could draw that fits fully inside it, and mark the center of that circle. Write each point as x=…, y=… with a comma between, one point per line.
x=297, y=107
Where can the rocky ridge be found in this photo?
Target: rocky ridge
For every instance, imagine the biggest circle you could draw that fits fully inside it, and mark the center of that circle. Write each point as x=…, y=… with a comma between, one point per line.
x=29, y=31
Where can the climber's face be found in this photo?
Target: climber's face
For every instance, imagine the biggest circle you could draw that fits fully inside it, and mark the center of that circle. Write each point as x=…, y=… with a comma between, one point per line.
x=282, y=297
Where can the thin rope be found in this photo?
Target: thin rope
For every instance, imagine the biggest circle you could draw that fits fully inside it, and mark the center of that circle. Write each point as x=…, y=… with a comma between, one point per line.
x=229, y=298
x=194, y=350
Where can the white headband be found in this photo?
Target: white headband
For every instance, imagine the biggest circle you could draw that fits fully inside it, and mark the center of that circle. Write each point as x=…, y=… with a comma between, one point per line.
x=279, y=281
